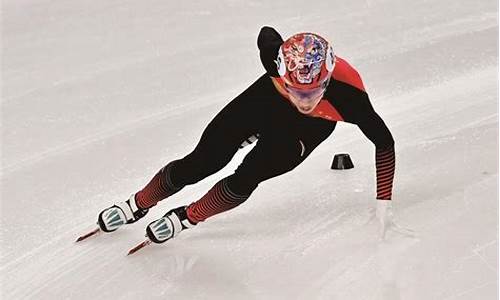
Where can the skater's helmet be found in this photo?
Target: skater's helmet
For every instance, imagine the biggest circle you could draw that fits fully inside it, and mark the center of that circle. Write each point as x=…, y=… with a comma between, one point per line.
x=305, y=64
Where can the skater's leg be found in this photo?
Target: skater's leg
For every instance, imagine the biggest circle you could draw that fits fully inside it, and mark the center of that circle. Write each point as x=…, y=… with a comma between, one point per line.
x=272, y=156
x=219, y=142
x=159, y=188
x=218, y=199
x=211, y=154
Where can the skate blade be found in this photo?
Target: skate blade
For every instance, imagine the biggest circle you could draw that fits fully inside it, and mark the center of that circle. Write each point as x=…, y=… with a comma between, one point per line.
x=87, y=235
x=139, y=247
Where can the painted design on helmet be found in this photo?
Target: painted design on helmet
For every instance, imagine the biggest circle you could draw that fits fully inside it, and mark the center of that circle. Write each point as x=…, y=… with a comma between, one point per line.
x=305, y=60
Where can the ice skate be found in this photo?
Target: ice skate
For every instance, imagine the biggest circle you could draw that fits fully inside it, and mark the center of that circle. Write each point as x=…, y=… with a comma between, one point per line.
x=169, y=226
x=112, y=218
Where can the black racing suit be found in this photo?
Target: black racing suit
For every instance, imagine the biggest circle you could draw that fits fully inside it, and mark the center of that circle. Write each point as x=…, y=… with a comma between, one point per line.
x=285, y=137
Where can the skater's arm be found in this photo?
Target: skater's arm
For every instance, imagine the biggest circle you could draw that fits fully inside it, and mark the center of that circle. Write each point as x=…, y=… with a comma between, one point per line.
x=269, y=42
x=374, y=128
x=347, y=93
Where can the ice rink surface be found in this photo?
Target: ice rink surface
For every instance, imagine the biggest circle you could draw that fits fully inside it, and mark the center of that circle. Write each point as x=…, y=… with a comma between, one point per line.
x=99, y=95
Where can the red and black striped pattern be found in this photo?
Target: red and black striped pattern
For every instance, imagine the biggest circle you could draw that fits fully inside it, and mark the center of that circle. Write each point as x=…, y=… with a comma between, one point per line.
x=218, y=199
x=385, y=162
x=159, y=188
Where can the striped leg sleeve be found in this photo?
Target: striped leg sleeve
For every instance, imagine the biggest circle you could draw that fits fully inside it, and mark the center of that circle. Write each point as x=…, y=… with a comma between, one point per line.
x=385, y=161
x=217, y=200
x=159, y=188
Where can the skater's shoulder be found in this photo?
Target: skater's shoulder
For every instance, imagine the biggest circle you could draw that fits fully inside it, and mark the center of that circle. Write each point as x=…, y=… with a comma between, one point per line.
x=346, y=73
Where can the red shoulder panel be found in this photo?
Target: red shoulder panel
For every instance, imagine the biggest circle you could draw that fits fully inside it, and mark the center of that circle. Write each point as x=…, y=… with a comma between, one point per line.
x=344, y=72
x=325, y=110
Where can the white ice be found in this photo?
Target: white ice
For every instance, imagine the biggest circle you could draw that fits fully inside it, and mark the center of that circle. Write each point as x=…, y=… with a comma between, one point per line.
x=99, y=95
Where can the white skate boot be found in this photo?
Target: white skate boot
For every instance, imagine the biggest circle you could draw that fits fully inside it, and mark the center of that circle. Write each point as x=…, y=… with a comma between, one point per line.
x=169, y=226
x=112, y=218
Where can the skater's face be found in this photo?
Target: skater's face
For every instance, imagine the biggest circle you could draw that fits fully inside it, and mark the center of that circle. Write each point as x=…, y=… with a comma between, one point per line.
x=305, y=99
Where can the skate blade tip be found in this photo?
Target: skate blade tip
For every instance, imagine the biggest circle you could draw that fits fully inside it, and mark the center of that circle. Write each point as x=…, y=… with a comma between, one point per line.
x=81, y=238
x=85, y=236
x=138, y=247
x=132, y=252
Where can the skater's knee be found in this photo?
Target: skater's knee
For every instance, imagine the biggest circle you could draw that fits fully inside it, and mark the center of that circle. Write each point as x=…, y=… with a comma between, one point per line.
x=241, y=185
x=170, y=172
